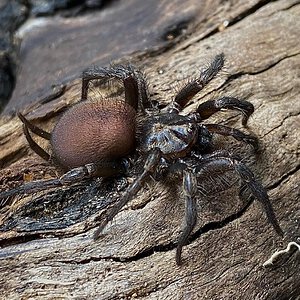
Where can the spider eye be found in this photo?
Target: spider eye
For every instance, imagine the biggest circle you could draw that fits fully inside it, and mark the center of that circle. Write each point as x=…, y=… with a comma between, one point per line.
x=191, y=128
x=194, y=117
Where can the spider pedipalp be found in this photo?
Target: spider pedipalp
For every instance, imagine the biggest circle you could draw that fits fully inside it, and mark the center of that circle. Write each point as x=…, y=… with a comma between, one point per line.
x=92, y=139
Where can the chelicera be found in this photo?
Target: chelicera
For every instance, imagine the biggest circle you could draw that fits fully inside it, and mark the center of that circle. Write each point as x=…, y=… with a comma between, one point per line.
x=94, y=138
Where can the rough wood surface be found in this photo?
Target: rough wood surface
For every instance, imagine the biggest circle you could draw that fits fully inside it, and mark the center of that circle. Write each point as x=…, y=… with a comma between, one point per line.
x=56, y=50
x=47, y=247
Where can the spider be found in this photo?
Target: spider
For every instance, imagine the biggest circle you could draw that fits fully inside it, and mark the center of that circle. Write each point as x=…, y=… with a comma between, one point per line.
x=93, y=138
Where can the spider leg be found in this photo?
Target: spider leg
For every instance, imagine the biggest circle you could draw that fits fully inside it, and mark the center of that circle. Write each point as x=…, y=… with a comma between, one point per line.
x=210, y=107
x=237, y=134
x=38, y=131
x=34, y=146
x=190, y=212
x=6, y=197
x=218, y=163
x=136, y=90
x=195, y=86
x=143, y=88
x=73, y=176
x=150, y=166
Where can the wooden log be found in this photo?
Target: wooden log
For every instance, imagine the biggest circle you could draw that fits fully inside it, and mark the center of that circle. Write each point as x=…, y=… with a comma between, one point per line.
x=46, y=238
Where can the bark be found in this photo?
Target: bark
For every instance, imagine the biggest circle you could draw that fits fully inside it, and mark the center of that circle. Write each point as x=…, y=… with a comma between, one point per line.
x=47, y=247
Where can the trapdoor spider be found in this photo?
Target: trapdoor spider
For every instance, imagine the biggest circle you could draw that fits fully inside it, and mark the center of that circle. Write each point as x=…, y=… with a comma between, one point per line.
x=93, y=138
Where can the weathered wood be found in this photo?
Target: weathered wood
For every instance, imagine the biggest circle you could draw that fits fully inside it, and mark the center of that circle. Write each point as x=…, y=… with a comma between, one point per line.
x=56, y=50
x=48, y=251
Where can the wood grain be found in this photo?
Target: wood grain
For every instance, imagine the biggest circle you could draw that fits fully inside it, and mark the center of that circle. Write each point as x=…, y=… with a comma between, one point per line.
x=47, y=247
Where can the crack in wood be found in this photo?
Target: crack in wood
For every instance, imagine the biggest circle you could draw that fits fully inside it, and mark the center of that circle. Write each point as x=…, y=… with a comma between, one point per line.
x=231, y=22
x=249, y=12
x=281, y=123
x=157, y=276
x=286, y=8
x=211, y=226
x=215, y=225
x=264, y=69
x=283, y=178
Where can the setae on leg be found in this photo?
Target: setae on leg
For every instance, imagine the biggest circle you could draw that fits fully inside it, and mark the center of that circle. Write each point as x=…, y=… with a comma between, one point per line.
x=192, y=88
x=208, y=108
x=189, y=189
x=217, y=163
x=150, y=166
x=238, y=135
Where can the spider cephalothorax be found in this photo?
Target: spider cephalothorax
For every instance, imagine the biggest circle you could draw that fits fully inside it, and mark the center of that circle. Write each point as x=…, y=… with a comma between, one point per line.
x=93, y=138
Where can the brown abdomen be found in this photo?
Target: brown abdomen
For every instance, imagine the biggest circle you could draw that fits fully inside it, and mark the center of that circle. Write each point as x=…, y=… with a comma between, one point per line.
x=91, y=132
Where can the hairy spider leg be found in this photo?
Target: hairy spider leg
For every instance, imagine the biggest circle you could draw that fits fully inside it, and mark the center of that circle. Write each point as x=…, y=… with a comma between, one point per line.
x=149, y=167
x=237, y=134
x=136, y=90
x=73, y=176
x=143, y=88
x=30, y=187
x=38, y=131
x=189, y=191
x=195, y=86
x=210, y=107
x=219, y=161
